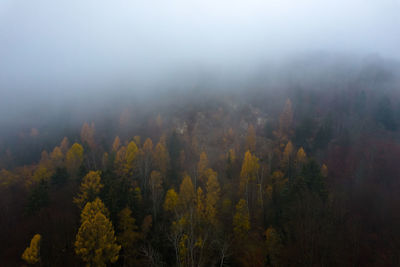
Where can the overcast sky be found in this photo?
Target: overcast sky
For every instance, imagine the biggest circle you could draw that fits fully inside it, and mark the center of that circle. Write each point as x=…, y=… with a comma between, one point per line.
x=52, y=46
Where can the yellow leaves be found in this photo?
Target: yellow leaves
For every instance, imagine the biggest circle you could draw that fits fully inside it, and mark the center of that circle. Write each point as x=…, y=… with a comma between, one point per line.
x=41, y=173
x=231, y=156
x=148, y=146
x=171, y=200
x=249, y=170
x=301, y=157
x=74, y=158
x=116, y=144
x=200, y=208
x=95, y=242
x=125, y=159
x=56, y=157
x=161, y=157
x=241, y=220
x=186, y=193
x=92, y=208
x=202, y=165
x=32, y=253
x=288, y=151
x=212, y=198
x=130, y=156
x=89, y=189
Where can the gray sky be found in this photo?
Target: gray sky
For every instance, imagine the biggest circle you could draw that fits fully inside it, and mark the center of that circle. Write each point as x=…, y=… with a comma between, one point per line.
x=54, y=46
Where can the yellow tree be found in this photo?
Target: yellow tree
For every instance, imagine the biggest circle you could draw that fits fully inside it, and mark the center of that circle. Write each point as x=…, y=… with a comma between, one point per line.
x=92, y=208
x=96, y=243
x=248, y=176
x=146, y=162
x=56, y=157
x=186, y=193
x=89, y=189
x=116, y=144
x=74, y=159
x=130, y=157
x=251, y=138
x=241, y=220
x=41, y=173
x=129, y=235
x=202, y=166
x=212, y=197
x=301, y=157
x=32, y=253
x=161, y=157
x=285, y=123
x=171, y=201
x=200, y=205
x=64, y=145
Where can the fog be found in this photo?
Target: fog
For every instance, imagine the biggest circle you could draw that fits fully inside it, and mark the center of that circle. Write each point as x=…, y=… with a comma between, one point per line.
x=53, y=52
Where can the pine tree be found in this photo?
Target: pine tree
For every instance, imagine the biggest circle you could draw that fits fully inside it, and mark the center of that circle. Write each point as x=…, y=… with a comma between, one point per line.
x=241, y=220
x=74, y=159
x=89, y=189
x=95, y=242
x=212, y=197
x=128, y=236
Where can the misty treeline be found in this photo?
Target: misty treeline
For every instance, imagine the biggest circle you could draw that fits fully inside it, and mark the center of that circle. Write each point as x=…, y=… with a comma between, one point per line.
x=299, y=170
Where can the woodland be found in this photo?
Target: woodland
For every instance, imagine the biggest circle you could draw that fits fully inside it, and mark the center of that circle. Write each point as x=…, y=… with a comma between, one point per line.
x=300, y=170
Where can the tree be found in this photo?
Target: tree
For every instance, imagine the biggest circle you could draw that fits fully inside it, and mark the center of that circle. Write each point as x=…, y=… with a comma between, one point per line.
x=56, y=157
x=89, y=189
x=200, y=205
x=212, y=197
x=92, y=208
x=87, y=135
x=41, y=173
x=116, y=144
x=128, y=236
x=241, y=220
x=287, y=159
x=248, y=176
x=186, y=193
x=273, y=245
x=161, y=157
x=130, y=157
x=301, y=157
x=171, y=200
x=95, y=242
x=74, y=159
x=64, y=145
x=285, y=123
x=32, y=253
x=156, y=190
x=251, y=138
x=38, y=197
x=146, y=162
x=202, y=166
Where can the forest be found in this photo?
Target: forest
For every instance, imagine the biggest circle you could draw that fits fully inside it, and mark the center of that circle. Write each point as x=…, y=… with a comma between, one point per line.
x=296, y=167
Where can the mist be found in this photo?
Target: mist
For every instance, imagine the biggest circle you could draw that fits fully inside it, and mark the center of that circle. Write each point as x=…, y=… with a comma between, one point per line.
x=78, y=54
